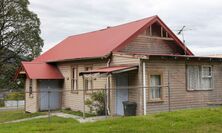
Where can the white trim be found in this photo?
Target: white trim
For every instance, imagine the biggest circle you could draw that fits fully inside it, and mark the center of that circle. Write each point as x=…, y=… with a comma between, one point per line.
x=144, y=88
x=202, y=72
x=200, y=78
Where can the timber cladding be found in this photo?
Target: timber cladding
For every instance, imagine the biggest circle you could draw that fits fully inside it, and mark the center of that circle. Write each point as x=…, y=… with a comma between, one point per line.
x=173, y=73
x=31, y=100
x=74, y=100
x=180, y=97
x=144, y=44
x=124, y=60
x=133, y=80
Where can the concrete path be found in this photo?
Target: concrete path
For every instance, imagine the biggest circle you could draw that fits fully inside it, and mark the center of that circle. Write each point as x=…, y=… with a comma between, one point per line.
x=26, y=119
x=92, y=119
x=63, y=115
x=79, y=118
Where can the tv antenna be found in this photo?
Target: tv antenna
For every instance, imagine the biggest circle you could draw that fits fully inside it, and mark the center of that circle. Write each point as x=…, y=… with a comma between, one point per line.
x=181, y=32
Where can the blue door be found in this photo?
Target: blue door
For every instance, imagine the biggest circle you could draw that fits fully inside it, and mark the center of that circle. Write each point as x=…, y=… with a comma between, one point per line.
x=52, y=99
x=121, y=92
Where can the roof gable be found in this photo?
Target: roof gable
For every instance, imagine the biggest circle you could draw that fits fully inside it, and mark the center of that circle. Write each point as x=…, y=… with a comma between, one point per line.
x=102, y=42
x=165, y=28
x=153, y=40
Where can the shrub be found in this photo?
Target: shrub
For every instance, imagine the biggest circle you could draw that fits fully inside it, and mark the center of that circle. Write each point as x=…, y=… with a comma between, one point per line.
x=15, y=96
x=2, y=104
x=96, y=103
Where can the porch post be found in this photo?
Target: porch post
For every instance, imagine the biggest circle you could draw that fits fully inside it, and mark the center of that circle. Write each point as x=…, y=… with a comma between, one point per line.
x=83, y=96
x=144, y=88
x=108, y=93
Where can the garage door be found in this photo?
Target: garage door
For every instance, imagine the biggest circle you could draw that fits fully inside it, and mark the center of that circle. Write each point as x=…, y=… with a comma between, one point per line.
x=50, y=100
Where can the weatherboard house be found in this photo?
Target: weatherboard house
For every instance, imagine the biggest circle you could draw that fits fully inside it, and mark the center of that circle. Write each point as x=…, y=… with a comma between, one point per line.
x=141, y=61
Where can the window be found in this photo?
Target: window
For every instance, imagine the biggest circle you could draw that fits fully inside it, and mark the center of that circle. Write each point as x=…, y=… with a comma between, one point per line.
x=88, y=83
x=30, y=87
x=199, y=77
x=74, y=79
x=155, y=87
x=206, y=77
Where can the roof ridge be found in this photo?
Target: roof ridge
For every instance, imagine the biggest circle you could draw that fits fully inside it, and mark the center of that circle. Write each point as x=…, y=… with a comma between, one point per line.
x=102, y=41
x=114, y=26
x=130, y=22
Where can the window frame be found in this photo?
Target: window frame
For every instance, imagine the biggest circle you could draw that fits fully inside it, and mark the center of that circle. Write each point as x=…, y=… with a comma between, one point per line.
x=211, y=73
x=200, y=78
x=86, y=81
x=74, y=87
x=187, y=77
x=150, y=99
x=207, y=77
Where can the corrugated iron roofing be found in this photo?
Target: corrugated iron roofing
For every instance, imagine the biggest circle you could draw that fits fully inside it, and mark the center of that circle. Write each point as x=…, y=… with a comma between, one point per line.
x=36, y=70
x=100, y=43
x=95, y=44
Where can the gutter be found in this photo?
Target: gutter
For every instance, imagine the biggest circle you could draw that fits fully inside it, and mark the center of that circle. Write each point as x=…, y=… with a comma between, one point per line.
x=80, y=59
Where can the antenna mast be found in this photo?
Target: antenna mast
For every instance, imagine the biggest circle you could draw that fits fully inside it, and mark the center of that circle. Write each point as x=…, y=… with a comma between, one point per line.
x=180, y=32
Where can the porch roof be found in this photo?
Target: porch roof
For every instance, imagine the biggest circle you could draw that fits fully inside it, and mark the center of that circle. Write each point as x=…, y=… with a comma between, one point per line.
x=41, y=70
x=111, y=69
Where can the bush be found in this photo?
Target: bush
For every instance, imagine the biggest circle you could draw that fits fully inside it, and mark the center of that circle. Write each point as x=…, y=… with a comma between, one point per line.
x=2, y=104
x=15, y=96
x=96, y=103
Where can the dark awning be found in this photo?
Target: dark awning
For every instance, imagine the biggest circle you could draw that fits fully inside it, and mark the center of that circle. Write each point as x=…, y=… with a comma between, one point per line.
x=111, y=70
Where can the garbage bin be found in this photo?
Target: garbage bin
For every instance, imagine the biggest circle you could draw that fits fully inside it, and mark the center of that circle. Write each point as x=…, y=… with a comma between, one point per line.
x=129, y=108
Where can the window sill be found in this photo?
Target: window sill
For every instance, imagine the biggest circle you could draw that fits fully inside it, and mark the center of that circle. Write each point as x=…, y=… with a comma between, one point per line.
x=189, y=90
x=74, y=92
x=156, y=101
x=88, y=92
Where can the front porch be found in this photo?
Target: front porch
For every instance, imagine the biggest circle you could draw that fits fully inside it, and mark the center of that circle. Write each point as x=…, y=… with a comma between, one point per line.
x=122, y=84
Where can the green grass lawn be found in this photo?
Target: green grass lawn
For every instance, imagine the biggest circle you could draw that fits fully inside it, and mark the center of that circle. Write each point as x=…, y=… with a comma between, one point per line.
x=15, y=115
x=187, y=121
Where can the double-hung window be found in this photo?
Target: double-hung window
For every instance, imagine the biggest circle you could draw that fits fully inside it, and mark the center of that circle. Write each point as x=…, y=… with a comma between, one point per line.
x=155, y=87
x=88, y=83
x=74, y=79
x=207, y=78
x=199, y=77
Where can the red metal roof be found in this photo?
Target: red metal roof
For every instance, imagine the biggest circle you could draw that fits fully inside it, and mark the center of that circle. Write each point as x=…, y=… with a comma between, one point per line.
x=95, y=44
x=100, y=43
x=110, y=69
x=36, y=70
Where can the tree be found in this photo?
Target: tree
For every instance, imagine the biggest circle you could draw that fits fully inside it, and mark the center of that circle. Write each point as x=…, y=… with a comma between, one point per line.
x=8, y=72
x=19, y=34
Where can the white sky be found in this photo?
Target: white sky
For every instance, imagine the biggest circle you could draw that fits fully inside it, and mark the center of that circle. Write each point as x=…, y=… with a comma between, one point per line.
x=62, y=18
